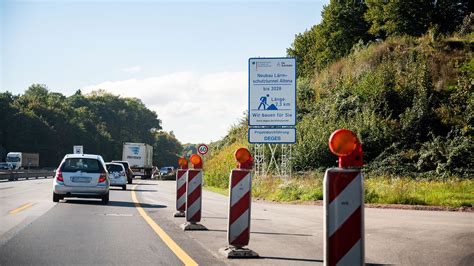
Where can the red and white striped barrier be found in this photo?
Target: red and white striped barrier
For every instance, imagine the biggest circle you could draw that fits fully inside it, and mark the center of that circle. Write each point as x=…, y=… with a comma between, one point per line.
x=193, y=195
x=238, y=231
x=180, y=192
x=240, y=199
x=343, y=217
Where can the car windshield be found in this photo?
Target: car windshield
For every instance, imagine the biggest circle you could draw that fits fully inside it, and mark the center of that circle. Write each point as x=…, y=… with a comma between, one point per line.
x=13, y=159
x=81, y=164
x=114, y=168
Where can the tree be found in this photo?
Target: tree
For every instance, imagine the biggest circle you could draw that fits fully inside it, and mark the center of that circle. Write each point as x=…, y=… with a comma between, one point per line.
x=399, y=17
x=342, y=26
x=50, y=123
x=166, y=149
x=449, y=14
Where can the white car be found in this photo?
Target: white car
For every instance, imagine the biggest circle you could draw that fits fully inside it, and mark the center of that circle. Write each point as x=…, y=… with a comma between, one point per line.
x=117, y=175
x=81, y=176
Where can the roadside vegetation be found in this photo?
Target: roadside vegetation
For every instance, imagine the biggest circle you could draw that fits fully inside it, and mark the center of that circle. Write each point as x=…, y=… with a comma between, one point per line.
x=403, y=83
x=50, y=124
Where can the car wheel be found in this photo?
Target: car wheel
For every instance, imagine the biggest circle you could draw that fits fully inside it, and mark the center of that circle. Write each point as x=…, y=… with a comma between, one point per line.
x=124, y=187
x=105, y=198
x=56, y=197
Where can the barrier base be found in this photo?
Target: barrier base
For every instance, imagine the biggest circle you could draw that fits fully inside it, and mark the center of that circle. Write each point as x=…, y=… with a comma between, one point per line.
x=232, y=252
x=179, y=214
x=193, y=227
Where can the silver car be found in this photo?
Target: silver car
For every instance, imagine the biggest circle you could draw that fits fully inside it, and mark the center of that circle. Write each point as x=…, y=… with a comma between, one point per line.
x=81, y=176
x=117, y=174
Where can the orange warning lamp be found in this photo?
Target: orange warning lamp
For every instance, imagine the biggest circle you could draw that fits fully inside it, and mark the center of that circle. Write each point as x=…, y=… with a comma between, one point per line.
x=345, y=144
x=183, y=163
x=196, y=161
x=243, y=156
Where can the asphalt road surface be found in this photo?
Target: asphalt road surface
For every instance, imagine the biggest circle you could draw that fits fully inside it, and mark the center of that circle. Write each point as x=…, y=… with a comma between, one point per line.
x=34, y=230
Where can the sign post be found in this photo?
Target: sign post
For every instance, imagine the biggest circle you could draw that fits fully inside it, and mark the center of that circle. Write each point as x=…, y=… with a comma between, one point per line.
x=272, y=111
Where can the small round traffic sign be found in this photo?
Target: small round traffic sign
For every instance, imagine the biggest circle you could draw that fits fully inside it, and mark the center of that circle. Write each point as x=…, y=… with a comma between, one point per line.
x=203, y=149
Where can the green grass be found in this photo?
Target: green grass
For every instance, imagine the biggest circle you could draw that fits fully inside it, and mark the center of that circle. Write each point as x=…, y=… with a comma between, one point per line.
x=378, y=190
x=451, y=193
x=222, y=191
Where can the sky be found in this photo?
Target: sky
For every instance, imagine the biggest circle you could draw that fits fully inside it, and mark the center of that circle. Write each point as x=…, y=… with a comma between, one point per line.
x=186, y=60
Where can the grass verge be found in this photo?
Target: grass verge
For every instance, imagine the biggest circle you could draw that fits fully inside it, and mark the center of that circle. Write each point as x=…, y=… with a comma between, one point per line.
x=378, y=190
x=452, y=192
x=222, y=191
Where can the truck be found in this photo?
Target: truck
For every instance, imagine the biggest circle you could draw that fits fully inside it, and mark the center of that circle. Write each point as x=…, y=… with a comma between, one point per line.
x=140, y=158
x=23, y=160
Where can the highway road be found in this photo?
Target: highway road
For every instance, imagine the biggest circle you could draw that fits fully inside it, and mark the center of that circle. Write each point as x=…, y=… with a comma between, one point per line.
x=138, y=227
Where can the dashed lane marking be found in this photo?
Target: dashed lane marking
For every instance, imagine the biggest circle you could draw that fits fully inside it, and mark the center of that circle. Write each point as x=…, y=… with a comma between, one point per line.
x=21, y=208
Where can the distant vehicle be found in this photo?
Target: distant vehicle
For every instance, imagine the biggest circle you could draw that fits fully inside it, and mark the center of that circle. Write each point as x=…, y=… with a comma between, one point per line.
x=140, y=157
x=6, y=166
x=166, y=170
x=117, y=175
x=81, y=176
x=128, y=170
x=22, y=160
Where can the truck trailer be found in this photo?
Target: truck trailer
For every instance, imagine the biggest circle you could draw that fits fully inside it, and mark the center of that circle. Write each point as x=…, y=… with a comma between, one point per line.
x=23, y=160
x=140, y=158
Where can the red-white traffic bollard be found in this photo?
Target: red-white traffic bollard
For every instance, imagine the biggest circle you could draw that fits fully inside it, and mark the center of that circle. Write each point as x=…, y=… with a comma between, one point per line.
x=194, y=195
x=181, y=188
x=344, y=203
x=240, y=190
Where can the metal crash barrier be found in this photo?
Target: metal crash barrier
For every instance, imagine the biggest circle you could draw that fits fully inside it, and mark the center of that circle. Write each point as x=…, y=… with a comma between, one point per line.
x=16, y=175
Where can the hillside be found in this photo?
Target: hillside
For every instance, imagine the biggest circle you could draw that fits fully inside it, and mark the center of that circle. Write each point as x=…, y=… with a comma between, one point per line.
x=410, y=100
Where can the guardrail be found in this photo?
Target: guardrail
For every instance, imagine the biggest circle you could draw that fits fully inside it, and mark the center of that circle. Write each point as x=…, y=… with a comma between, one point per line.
x=15, y=175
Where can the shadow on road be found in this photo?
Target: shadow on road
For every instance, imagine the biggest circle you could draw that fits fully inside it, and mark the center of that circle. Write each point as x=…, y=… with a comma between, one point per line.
x=115, y=204
x=291, y=259
x=263, y=233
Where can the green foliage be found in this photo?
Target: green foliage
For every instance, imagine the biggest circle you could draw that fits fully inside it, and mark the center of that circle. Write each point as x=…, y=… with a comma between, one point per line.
x=401, y=190
x=50, y=123
x=166, y=149
x=189, y=149
x=342, y=26
x=217, y=167
x=408, y=98
x=399, y=17
x=414, y=18
x=451, y=192
x=348, y=23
